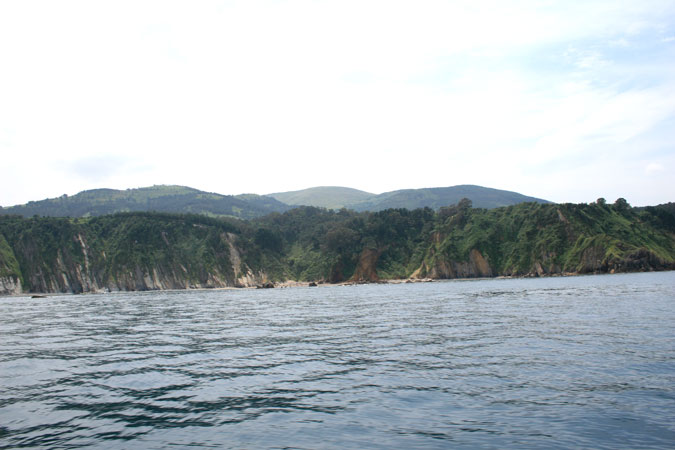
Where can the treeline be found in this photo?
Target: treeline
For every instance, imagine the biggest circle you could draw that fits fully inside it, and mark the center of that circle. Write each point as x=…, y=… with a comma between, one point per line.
x=155, y=250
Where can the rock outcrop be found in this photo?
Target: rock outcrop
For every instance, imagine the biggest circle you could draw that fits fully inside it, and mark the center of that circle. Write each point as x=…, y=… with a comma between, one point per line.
x=366, y=268
x=640, y=260
x=10, y=286
x=442, y=268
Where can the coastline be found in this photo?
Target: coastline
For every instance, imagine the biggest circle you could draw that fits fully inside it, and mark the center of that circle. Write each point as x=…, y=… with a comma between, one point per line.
x=304, y=284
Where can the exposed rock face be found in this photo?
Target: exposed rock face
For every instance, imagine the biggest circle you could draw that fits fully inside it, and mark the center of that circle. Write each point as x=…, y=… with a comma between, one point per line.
x=640, y=260
x=10, y=286
x=160, y=278
x=66, y=276
x=475, y=267
x=336, y=273
x=366, y=267
x=543, y=266
x=478, y=264
x=592, y=260
x=79, y=270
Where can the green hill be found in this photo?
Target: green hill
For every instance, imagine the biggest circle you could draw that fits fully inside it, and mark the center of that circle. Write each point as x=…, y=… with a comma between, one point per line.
x=435, y=198
x=174, y=199
x=331, y=197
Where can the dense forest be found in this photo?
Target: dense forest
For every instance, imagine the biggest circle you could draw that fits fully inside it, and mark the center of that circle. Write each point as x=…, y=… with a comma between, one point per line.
x=142, y=250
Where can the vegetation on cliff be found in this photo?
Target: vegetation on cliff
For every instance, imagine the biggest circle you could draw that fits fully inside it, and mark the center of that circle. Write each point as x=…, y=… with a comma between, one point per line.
x=9, y=266
x=155, y=251
x=462, y=241
x=127, y=251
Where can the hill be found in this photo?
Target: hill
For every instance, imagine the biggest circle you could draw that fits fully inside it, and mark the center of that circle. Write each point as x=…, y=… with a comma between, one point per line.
x=175, y=199
x=331, y=197
x=435, y=198
x=181, y=199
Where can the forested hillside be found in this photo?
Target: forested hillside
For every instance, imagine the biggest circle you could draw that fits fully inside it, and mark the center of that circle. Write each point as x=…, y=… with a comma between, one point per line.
x=174, y=199
x=481, y=197
x=136, y=251
x=186, y=200
x=335, y=197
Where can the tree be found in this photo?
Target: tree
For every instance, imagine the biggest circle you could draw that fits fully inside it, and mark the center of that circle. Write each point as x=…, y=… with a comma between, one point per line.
x=342, y=240
x=268, y=240
x=621, y=204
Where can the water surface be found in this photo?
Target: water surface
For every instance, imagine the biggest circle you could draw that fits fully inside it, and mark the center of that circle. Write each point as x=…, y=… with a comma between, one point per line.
x=578, y=362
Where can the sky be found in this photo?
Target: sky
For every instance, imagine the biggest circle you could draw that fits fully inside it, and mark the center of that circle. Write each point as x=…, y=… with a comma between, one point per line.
x=563, y=100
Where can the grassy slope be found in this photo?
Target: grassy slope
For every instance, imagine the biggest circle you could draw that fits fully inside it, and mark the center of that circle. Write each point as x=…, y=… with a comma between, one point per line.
x=333, y=197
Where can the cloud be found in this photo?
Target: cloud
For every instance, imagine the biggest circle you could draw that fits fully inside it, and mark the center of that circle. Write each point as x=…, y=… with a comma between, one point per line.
x=653, y=168
x=269, y=96
x=101, y=168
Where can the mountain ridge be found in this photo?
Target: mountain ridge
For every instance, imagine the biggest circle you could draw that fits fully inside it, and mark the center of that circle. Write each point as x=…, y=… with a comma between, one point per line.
x=437, y=197
x=159, y=198
x=336, y=197
x=184, y=199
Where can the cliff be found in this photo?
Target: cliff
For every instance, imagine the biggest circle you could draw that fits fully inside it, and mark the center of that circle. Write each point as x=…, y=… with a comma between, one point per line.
x=142, y=251
x=540, y=240
x=10, y=273
x=125, y=252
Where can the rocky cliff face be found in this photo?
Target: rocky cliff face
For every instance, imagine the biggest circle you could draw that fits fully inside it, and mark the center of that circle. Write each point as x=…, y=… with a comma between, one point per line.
x=144, y=251
x=366, y=269
x=77, y=267
x=442, y=268
x=10, y=286
x=70, y=277
x=640, y=260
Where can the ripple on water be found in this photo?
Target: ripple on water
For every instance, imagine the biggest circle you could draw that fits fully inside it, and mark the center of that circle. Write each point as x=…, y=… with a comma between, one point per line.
x=580, y=362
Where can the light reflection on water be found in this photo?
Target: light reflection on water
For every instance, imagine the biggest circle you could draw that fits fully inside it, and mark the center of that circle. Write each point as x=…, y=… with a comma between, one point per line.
x=579, y=362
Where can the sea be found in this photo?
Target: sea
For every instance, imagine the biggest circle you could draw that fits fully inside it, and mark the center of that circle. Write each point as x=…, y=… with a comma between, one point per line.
x=584, y=362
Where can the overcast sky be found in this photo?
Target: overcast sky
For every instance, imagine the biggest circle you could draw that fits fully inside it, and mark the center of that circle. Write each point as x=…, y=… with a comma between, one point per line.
x=567, y=101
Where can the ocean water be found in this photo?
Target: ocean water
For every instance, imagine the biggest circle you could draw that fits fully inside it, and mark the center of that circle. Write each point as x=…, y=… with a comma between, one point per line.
x=578, y=362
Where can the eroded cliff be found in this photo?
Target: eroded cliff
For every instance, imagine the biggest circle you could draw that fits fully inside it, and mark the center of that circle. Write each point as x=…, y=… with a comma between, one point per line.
x=143, y=251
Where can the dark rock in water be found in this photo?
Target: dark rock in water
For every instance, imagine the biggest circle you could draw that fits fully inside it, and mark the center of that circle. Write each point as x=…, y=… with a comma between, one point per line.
x=267, y=285
x=312, y=284
x=38, y=296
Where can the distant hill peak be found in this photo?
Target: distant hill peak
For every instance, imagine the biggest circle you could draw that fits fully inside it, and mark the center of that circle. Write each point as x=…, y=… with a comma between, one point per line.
x=332, y=197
